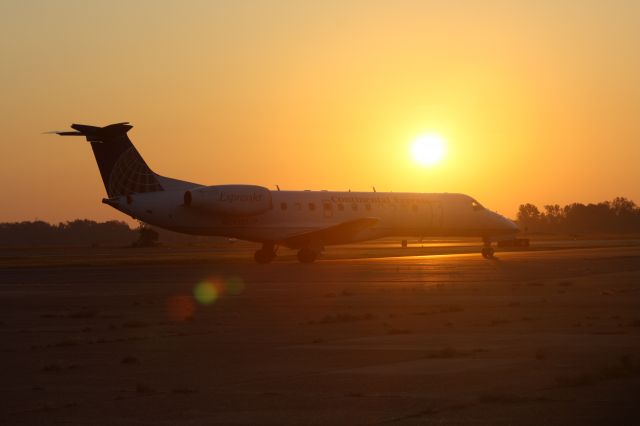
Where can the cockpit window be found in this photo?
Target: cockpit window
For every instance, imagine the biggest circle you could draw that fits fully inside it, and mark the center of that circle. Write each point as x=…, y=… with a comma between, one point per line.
x=476, y=205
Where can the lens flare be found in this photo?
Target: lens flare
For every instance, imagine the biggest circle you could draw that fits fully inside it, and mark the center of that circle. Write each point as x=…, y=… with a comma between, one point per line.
x=206, y=292
x=180, y=308
x=234, y=285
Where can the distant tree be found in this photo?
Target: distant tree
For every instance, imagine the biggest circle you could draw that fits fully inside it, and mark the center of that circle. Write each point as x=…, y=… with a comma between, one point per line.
x=147, y=236
x=582, y=218
x=552, y=217
x=529, y=216
x=553, y=211
x=622, y=206
x=627, y=215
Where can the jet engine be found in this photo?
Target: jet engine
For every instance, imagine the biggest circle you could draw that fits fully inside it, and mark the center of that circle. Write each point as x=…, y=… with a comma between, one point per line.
x=237, y=200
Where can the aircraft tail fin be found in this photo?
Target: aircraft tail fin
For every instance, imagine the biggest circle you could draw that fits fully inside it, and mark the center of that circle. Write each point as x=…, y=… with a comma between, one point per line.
x=122, y=168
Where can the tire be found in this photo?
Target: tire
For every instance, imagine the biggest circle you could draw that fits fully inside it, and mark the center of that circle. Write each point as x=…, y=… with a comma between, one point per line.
x=306, y=255
x=263, y=256
x=487, y=252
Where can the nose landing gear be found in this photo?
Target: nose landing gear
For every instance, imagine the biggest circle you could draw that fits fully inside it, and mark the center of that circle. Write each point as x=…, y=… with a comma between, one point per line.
x=487, y=251
x=266, y=254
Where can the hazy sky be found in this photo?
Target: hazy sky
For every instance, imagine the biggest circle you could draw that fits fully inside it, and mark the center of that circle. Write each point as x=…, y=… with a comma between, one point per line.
x=539, y=101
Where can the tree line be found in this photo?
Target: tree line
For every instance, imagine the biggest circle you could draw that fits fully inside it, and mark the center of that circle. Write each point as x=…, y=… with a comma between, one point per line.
x=80, y=232
x=619, y=215
x=89, y=233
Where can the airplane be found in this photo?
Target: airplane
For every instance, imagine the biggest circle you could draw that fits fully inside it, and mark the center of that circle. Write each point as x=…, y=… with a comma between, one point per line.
x=306, y=221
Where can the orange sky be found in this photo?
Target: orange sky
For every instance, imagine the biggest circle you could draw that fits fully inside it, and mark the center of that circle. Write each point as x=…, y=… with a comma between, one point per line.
x=538, y=102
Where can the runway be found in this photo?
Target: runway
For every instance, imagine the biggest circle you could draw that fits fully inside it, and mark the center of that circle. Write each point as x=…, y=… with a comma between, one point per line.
x=532, y=337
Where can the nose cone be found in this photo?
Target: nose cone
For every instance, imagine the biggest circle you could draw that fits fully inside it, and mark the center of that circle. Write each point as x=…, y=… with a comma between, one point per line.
x=512, y=225
x=504, y=225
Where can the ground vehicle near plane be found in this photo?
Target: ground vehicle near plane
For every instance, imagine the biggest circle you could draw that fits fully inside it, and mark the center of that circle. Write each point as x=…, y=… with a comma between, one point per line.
x=303, y=220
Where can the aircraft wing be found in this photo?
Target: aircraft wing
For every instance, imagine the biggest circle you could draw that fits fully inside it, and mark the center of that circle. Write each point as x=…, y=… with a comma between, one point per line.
x=341, y=233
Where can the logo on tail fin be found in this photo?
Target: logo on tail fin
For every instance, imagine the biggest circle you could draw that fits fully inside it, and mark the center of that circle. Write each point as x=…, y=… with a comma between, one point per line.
x=130, y=174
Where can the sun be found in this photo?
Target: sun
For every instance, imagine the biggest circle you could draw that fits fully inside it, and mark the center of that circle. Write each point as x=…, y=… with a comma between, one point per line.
x=428, y=150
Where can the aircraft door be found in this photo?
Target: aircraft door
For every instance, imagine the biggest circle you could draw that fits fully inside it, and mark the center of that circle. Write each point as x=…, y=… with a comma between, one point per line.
x=437, y=215
x=425, y=217
x=327, y=209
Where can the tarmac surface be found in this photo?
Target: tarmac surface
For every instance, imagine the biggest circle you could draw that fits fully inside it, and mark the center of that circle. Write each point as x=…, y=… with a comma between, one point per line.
x=532, y=337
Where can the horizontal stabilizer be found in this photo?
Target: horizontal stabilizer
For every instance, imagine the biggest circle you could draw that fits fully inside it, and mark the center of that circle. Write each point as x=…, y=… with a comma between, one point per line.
x=67, y=133
x=97, y=134
x=113, y=201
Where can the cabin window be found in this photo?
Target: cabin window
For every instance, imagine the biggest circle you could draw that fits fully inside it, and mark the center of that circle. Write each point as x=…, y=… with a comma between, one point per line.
x=312, y=206
x=354, y=207
x=476, y=205
x=367, y=206
x=327, y=206
x=283, y=206
x=340, y=207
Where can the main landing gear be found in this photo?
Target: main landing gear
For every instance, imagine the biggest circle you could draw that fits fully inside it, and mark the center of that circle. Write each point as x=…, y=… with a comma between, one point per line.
x=487, y=251
x=307, y=255
x=266, y=254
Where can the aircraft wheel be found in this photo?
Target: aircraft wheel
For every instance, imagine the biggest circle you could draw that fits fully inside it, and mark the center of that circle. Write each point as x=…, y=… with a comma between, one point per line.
x=264, y=256
x=306, y=255
x=487, y=252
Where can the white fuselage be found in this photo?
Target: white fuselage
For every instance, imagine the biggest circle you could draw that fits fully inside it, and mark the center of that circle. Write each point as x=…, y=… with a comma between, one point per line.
x=294, y=213
x=303, y=220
